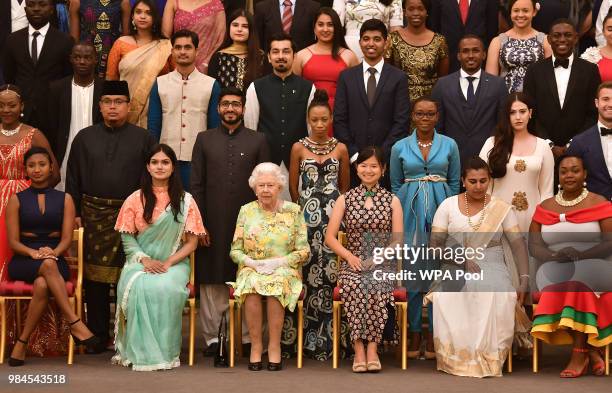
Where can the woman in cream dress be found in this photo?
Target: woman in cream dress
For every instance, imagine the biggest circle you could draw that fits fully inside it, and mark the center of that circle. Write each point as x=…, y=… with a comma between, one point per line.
x=522, y=165
x=474, y=319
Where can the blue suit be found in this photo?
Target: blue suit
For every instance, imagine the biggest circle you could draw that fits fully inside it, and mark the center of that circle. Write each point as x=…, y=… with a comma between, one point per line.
x=588, y=146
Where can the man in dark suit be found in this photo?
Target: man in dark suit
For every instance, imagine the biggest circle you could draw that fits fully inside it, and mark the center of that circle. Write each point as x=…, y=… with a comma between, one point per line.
x=469, y=115
x=595, y=145
x=563, y=87
x=35, y=56
x=277, y=16
x=372, y=105
x=454, y=19
x=73, y=103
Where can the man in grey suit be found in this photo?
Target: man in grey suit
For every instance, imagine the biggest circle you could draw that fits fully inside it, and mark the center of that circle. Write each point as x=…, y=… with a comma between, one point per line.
x=469, y=99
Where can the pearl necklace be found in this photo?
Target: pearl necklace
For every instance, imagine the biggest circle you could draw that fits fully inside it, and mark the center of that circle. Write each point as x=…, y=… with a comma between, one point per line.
x=476, y=226
x=424, y=145
x=572, y=202
x=11, y=132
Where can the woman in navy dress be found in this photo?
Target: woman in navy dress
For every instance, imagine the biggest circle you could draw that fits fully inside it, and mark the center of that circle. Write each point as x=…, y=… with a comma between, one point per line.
x=39, y=223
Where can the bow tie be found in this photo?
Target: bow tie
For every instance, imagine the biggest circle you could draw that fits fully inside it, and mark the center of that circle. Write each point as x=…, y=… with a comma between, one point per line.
x=605, y=131
x=561, y=63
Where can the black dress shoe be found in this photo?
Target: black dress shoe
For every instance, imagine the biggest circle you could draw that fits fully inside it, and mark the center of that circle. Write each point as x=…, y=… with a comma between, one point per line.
x=275, y=366
x=255, y=366
x=211, y=350
x=96, y=349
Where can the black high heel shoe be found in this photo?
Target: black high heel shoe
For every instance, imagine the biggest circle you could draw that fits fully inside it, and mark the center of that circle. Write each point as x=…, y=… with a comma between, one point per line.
x=17, y=362
x=275, y=366
x=91, y=342
x=255, y=366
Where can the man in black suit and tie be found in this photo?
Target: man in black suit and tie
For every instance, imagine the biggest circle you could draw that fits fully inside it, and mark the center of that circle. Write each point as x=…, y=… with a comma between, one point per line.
x=35, y=56
x=563, y=87
x=74, y=104
x=594, y=145
x=456, y=18
x=293, y=17
x=469, y=100
x=372, y=105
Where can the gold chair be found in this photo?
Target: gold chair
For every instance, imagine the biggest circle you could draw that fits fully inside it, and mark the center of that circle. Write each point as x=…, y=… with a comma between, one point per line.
x=401, y=306
x=235, y=327
x=19, y=290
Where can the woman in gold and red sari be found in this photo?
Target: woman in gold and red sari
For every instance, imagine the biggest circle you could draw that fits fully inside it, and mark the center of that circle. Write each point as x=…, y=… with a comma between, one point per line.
x=571, y=235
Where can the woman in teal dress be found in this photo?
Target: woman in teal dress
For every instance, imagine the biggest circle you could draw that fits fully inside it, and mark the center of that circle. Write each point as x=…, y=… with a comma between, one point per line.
x=425, y=170
x=270, y=245
x=159, y=225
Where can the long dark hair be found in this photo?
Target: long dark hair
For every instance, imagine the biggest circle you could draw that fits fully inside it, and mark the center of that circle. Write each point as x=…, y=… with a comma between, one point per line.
x=338, y=41
x=175, y=187
x=254, y=52
x=156, y=28
x=504, y=136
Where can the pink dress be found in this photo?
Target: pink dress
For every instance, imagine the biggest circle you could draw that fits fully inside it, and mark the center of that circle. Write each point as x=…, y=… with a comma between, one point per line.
x=323, y=71
x=208, y=22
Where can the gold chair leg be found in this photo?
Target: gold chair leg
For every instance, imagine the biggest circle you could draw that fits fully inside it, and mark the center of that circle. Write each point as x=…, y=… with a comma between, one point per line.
x=2, y=328
x=192, y=321
x=536, y=354
x=404, y=335
x=232, y=336
x=509, y=361
x=300, y=337
x=607, y=359
x=336, y=332
x=70, y=339
x=18, y=316
x=239, y=328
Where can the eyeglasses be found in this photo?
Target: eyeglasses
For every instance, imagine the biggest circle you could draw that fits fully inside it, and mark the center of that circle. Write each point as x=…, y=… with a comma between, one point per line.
x=115, y=102
x=422, y=115
x=227, y=104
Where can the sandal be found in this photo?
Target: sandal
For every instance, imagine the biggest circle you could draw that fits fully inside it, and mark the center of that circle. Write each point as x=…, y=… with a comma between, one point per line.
x=13, y=362
x=598, y=368
x=567, y=373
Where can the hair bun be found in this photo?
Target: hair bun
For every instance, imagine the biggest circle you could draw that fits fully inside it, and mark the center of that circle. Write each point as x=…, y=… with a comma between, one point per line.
x=320, y=96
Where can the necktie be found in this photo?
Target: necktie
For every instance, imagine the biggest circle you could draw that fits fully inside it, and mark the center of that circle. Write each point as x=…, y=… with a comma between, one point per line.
x=470, y=90
x=464, y=6
x=287, y=16
x=605, y=131
x=371, y=88
x=20, y=1
x=35, y=46
x=561, y=63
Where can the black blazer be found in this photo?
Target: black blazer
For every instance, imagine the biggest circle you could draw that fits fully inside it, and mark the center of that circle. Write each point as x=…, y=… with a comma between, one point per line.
x=60, y=111
x=549, y=120
x=356, y=124
x=469, y=128
x=5, y=27
x=588, y=146
x=444, y=18
x=33, y=79
x=268, y=22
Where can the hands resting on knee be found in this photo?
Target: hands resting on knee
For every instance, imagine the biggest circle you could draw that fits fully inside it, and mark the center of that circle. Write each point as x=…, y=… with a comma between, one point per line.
x=266, y=266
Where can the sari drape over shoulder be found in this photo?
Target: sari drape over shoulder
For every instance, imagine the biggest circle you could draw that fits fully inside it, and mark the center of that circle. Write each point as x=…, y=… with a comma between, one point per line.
x=149, y=306
x=140, y=68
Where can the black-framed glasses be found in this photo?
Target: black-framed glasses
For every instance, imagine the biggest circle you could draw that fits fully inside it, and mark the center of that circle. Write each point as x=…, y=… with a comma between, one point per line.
x=422, y=115
x=227, y=104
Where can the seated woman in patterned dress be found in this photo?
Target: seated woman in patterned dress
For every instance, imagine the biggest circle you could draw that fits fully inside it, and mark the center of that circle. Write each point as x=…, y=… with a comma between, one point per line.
x=39, y=223
x=270, y=245
x=372, y=217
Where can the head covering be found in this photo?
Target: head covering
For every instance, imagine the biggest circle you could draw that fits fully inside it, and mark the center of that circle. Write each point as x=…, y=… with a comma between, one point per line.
x=116, y=88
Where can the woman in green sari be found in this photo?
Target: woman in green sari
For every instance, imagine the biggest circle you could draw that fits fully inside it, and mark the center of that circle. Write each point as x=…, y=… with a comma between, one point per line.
x=159, y=225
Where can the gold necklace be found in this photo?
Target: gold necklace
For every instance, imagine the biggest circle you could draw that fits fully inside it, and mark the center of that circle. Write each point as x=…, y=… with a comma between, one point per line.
x=476, y=226
x=572, y=202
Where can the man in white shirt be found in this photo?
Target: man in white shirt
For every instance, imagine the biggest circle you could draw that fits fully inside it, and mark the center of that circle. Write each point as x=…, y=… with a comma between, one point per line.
x=74, y=103
x=35, y=56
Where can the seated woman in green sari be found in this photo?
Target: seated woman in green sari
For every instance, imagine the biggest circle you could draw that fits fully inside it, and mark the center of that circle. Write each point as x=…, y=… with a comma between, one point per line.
x=159, y=225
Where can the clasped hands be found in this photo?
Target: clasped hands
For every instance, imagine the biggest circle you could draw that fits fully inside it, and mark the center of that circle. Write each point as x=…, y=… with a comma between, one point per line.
x=154, y=266
x=43, y=253
x=266, y=266
x=567, y=254
x=358, y=265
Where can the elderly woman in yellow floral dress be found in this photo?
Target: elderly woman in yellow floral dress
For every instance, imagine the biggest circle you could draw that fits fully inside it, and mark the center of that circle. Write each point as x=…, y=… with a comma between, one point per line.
x=270, y=244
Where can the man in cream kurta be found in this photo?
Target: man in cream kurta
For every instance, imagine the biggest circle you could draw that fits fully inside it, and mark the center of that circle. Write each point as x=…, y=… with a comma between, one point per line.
x=183, y=102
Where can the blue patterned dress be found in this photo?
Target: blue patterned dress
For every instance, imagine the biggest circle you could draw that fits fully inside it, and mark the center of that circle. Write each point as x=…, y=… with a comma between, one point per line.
x=515, y=55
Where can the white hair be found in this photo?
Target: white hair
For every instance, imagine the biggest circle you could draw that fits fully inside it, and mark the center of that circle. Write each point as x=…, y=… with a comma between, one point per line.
x=267, y=168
